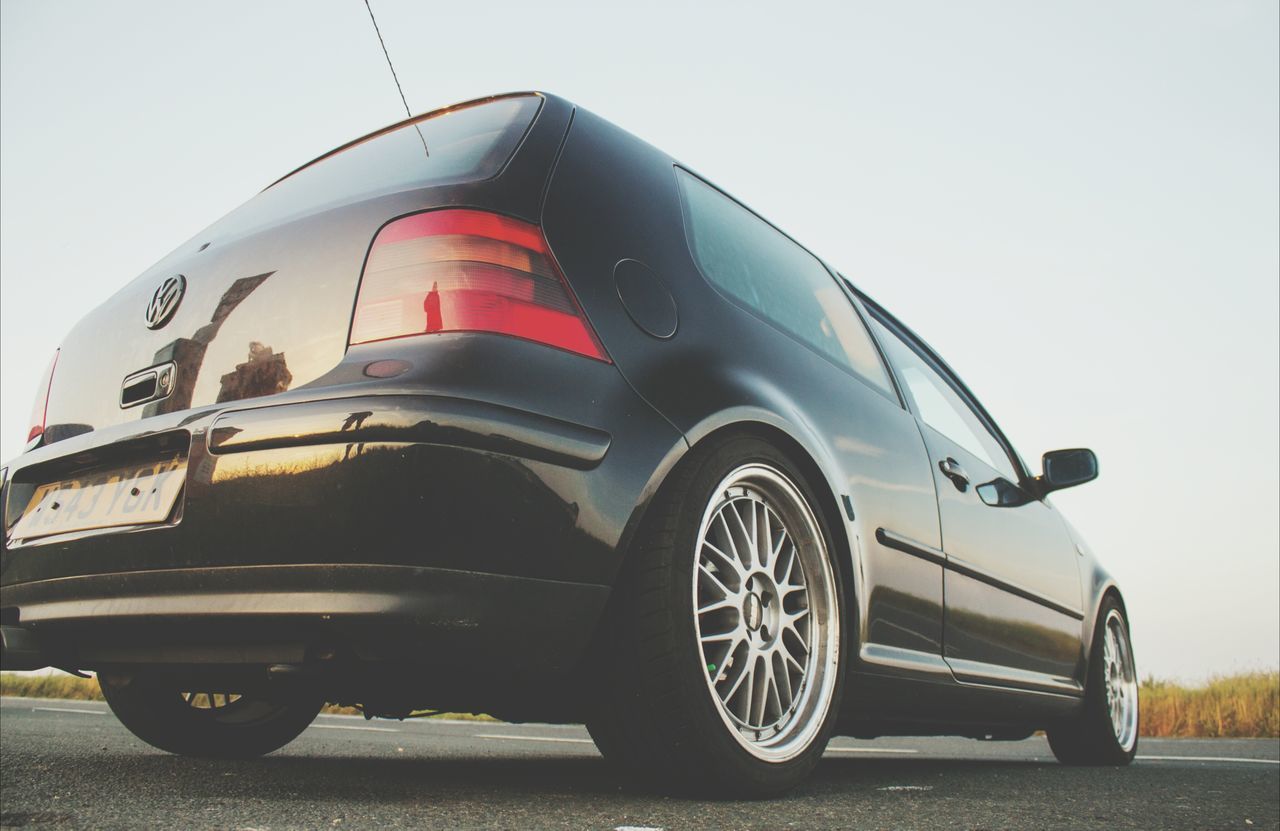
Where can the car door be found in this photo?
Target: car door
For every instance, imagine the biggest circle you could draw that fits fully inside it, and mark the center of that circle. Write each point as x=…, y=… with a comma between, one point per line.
x=1011, y=586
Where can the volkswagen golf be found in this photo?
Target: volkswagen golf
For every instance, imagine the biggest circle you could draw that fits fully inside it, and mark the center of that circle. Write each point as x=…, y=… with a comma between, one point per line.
x=501, y=409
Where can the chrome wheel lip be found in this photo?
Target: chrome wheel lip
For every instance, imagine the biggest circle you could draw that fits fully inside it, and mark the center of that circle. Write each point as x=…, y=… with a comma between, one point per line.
x=1120, y=681
x=811, y=695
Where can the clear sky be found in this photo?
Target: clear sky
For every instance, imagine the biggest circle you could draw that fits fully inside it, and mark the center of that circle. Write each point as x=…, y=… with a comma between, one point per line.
x=1076, y=203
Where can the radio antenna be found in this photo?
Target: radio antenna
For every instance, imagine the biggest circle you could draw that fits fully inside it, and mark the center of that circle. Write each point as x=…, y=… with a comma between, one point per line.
x=395, y=77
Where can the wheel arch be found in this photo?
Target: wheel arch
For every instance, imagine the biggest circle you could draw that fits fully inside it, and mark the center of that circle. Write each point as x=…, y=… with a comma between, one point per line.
x=801, y=450
x=807, y=465
x=1104, y=588
x=1113, y=591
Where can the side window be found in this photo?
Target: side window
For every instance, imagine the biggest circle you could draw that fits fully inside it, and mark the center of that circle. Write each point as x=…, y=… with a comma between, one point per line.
x=764, y=270
x=940, y=406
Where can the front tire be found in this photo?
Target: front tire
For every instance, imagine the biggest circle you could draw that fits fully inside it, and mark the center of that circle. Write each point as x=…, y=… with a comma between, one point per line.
x=212, y=725
x=1106, y=731
x=721, y=658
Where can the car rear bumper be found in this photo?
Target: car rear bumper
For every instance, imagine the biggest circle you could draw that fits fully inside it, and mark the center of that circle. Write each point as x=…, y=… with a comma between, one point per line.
x=299, y=615
x=439, y=420
x=487, y=455
x=413, y=480
x=469, y=522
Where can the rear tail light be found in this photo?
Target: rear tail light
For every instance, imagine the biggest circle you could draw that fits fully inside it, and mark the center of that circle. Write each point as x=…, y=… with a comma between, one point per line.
x=462, y=270
x=40, y=410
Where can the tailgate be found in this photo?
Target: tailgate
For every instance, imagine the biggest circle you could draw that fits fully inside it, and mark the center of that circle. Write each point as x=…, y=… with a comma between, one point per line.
x=261, y=301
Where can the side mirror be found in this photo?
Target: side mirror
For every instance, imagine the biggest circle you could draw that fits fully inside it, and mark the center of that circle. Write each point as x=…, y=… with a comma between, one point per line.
x=1067, y=468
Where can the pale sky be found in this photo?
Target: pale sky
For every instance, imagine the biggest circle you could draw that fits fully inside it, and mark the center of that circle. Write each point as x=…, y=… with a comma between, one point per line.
x=1076, y=203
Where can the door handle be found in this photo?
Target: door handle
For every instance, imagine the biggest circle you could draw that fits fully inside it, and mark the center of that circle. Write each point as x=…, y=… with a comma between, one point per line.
x=951, y=469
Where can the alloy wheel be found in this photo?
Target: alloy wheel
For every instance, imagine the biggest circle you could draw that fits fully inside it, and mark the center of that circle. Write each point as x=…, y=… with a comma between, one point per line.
x=766, y=612
x=1120, y=680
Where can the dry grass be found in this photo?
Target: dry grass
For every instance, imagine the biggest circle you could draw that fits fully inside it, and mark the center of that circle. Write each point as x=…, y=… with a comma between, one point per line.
x=1232, y=706
x=50, y=686
x=1246, y=705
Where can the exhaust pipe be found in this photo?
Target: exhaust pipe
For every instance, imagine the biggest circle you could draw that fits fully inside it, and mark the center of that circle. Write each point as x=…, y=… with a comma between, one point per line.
x=20, y=650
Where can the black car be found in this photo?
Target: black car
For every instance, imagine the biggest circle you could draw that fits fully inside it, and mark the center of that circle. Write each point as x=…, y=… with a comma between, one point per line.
x=500, y=409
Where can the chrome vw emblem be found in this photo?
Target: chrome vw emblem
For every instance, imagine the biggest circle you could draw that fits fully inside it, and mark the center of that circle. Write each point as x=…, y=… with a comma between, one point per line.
x=165, y=301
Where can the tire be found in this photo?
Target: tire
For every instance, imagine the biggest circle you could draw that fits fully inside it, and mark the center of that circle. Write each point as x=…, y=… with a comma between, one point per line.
x=210, y=725
x=1106, y=731
x=671, y=707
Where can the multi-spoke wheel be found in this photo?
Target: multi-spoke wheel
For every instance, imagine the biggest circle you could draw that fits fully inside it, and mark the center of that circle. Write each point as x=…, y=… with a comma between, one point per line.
x=1120, y=679
x=722, y=650
x=764, y=594
x=218, y=724
x=1106, y=731
x=210, y=701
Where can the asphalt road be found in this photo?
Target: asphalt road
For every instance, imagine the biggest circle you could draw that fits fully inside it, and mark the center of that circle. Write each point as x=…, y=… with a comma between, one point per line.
x=70, y=764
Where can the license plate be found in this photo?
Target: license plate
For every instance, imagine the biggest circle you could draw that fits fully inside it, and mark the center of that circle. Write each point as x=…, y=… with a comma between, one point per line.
x=138, y=495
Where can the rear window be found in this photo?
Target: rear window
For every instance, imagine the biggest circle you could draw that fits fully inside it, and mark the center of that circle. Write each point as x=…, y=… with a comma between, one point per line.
x=763, y=269
x=464, y=144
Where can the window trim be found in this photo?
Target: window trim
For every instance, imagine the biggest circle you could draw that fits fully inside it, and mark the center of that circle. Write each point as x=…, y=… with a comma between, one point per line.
x=935, y=361
x=864, y=313
x=840, y=283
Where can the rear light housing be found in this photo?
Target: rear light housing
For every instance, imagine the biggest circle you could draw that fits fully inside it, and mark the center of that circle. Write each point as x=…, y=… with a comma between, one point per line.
x=464, y=270
x=40, y=410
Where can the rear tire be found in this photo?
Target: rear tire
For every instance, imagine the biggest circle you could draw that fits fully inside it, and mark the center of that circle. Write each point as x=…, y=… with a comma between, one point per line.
x=211, y=725
x=1106, y=731
x=721, y=670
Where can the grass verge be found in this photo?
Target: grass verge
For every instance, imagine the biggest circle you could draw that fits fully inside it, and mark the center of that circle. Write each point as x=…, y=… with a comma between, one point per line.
x=1235, y=706
x=1230, y=706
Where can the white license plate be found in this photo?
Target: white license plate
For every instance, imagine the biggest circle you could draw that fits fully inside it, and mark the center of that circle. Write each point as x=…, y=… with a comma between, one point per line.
x=140, y=495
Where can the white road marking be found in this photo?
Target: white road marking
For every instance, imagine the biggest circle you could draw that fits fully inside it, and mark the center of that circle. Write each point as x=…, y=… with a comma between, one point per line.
x=637, y=828
x=69, y=710
x=906, y=788
x=869, y=750
x=355, y=727
x=532, y=738
x=1207, y=759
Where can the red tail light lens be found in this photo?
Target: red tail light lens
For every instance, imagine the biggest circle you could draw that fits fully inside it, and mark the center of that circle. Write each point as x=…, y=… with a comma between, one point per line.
x=462, y=270
x=40, y=410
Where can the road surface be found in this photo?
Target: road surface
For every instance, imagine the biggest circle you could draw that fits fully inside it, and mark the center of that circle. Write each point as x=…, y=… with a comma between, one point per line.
x=69, y=764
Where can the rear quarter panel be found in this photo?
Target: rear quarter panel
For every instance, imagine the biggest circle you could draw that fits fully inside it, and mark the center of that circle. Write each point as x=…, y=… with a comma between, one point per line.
x=613, y=197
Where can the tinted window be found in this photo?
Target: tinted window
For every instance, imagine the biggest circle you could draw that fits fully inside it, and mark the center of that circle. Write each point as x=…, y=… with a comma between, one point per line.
x=457, y=145
x=940, y=406
x=466, y=144
x=760, y=267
